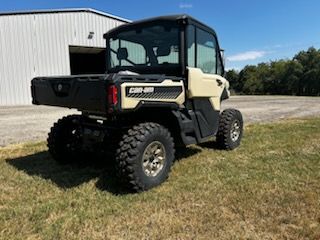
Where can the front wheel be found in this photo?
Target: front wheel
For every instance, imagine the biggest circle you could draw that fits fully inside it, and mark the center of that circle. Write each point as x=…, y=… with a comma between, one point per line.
x=230, y=129
x=145, y=156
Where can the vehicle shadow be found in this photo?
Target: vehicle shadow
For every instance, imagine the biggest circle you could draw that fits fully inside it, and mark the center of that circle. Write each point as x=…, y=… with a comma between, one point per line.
x=185, y=152
x=42, y=165
x=211, y=145
x=67, y=176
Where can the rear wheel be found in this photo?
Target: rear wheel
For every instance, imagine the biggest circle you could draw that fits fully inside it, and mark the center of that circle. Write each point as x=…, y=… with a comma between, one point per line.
x=230, y=129
x=145, y=156
x=64, y=139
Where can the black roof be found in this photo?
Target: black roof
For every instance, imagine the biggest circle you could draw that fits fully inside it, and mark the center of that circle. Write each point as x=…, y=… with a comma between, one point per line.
x=182, y=18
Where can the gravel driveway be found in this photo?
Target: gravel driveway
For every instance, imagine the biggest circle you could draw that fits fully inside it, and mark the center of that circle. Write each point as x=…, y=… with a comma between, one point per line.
x=273, y=108
x=31, y=123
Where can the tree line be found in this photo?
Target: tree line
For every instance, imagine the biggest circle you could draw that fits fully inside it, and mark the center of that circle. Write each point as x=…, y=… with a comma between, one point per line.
x=298, y=76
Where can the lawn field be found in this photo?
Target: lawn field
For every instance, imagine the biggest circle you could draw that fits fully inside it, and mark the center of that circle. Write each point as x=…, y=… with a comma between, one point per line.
x=269, y=188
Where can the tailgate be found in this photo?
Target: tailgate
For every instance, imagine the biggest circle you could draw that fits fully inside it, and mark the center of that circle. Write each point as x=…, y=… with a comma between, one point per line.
x=85, y=93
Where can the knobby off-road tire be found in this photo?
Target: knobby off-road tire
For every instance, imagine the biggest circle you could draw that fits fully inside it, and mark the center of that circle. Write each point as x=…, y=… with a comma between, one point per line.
x=64, y=140
x=140, y=154
x=230, y=129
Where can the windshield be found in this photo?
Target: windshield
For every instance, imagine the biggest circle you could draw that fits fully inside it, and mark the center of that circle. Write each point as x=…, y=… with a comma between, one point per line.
x=155, y=46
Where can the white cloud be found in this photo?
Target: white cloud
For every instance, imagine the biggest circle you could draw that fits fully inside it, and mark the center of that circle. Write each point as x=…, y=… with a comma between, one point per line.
x=250, y=55
x=185, y=5
x=278, y=46
x=237, y=69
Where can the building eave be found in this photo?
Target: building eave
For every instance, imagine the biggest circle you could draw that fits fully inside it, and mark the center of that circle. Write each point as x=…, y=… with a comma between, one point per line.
x=65, y=10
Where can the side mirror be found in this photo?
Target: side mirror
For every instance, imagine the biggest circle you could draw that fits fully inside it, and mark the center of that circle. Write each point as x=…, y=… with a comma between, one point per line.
x=122, y=54
x=223, y=57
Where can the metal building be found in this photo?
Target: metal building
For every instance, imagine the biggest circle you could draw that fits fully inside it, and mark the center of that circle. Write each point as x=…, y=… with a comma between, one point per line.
x=49, y=43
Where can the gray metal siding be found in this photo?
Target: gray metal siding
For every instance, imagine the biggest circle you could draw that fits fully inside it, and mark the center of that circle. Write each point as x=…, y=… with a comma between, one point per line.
x=38, y=45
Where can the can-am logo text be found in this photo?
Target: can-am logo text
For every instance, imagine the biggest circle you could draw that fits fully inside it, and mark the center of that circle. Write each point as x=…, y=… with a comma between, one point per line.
x=141, y=90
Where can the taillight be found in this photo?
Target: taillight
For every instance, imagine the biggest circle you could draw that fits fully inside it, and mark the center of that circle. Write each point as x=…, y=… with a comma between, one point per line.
x=112, y=97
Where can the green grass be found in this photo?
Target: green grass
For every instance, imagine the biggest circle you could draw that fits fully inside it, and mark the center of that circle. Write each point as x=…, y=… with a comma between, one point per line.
x=269, y=188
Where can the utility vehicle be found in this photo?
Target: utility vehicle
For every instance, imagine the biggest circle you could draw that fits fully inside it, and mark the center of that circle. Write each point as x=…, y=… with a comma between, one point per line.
x=162, y=90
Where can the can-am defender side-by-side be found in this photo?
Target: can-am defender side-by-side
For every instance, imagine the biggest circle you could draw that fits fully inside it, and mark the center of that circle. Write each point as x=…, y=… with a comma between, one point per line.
x=162, y=89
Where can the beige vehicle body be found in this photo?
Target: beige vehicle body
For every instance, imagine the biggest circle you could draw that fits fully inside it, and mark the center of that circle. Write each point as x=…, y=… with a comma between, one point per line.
x=200, y=85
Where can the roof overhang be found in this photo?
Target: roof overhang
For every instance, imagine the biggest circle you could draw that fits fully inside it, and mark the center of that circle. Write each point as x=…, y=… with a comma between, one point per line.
x=66, y=10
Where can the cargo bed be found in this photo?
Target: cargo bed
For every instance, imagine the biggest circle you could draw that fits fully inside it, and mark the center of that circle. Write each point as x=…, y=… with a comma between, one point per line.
x=81, y=92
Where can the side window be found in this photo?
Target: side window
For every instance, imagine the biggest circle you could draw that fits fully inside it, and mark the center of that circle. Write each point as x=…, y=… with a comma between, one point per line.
x=191, y=45
x=206, y=52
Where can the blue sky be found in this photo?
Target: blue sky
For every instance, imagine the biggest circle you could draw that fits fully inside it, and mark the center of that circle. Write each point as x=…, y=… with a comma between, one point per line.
x=251, y=31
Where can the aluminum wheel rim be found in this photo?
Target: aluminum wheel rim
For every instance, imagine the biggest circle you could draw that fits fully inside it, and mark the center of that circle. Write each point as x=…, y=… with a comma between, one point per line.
x=153, y=159
x=235, y=131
